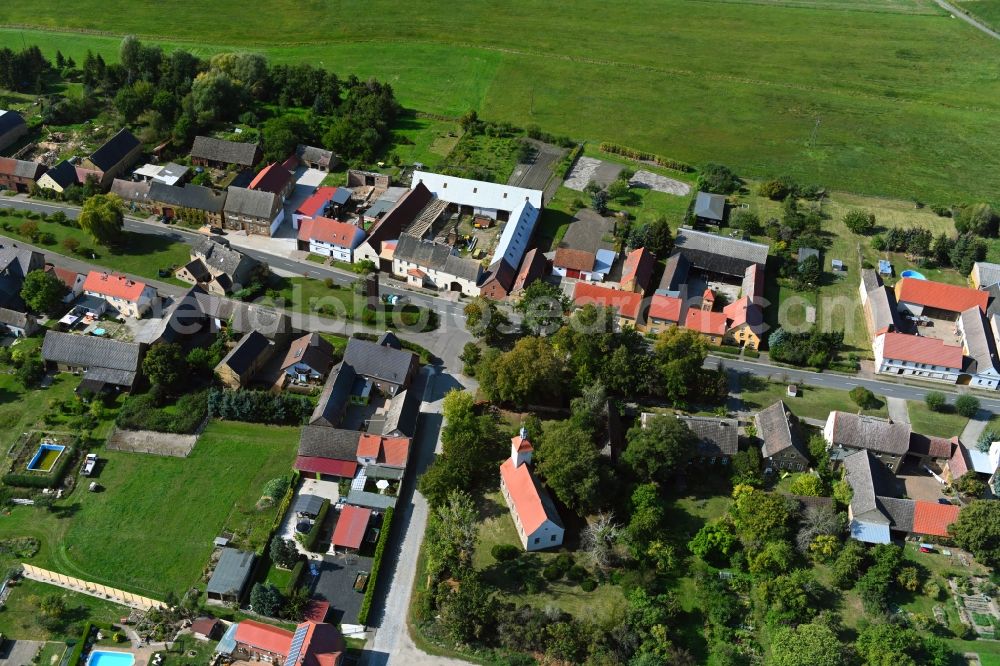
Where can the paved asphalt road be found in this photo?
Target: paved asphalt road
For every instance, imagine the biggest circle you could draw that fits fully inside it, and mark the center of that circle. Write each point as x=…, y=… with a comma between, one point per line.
x=968, y=19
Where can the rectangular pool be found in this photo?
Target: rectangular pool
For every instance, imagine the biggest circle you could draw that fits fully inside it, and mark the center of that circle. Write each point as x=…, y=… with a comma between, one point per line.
x=46, y=456
x=106, y=658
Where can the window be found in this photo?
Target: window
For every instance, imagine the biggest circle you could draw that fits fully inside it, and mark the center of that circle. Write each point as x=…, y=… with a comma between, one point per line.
x=553, y=538
x=537, y=539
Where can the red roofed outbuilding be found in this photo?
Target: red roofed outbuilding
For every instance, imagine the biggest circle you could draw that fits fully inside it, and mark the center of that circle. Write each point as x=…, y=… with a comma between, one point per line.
x=710, y=324
x=130, y=297
x=535, y=515
x=352, y=523
x=938, y=300
x=917, y=356
x=274, y=178
x=933, y=519
x=638, y=270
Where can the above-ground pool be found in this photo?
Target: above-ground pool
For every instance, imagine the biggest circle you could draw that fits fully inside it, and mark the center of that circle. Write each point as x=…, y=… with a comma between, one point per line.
x=103, y=658
x=916, y=275
x=45, y=457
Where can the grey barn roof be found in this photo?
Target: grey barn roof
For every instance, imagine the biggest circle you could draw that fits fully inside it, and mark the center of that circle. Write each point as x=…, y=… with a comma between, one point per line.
x=317, y=156
x=230, y=152
x=719, y=254
x=978, y=341
x=378, y=362
x=855, y=431
x=870, y=279
x=114, y=150
x=231, y=573
x=20, y=260
x=246, y=351
x=401, y=417
x=716, y=437
x=989, y=274
x=436, y=256
x=589, y=232
x=308, y=504
x=873, y=487
x=333, y=400
x=710, y=206
x=776, y=428
x=14, y=318
x=252, y=203
x=196, y=197
x=332, y=443
x=242, y=317
x=91, y=352
x=885, y=314
x=222, y=257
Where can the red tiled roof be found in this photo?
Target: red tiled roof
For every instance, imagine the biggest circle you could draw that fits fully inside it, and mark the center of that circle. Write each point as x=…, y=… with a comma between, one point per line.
x=626, y=302
x=316, y=610
x=708, y=295
x=524, y=495
x=351, y=527
x=272, y=178
x=416, y=272
x=919, y=349
x=264, y=636
x=342, y=468
x=574, y=260
x=638, y=268
x=742, y=312
x=533, y=266
x=948, y=297
x=113, y=285
x=315, y=203
x=322, y=645
x=65, y=275
x=958, y=464
x=369, y=446
x=665, y=308
x=204, y=626
x=521, y=444
x=932, y=518
x=330, y=231
x=392, y=451
x=709, y=323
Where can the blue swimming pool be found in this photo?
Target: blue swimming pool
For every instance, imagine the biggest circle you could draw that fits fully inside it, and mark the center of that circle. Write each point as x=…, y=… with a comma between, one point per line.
x=45, y=458
x=102, y=658
x=916, y=275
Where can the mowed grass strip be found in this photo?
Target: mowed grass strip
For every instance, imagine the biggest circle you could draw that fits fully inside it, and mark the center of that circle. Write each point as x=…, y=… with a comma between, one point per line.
x=986, y=11
x=152, y=527
x=892, y=119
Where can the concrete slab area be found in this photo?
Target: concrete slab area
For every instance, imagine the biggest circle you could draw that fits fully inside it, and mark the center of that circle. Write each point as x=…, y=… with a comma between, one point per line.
x=898, y=411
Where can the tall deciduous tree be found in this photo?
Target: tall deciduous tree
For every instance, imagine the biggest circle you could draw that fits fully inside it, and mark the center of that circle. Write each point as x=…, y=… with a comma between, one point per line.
x=103, y=217
x=655, y=452
x=531, y=372
x=570, y=463
x=806, y=645
x=679, y=354
x=760, y=516
x=978, y=531
x=165, y=365
x=541, y=307
x=42, y=291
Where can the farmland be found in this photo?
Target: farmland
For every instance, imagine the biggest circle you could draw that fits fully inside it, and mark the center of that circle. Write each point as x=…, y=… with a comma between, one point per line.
x=904, y=97
x=987, y=11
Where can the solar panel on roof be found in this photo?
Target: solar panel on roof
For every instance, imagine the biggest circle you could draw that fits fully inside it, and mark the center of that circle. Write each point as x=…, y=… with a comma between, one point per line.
x=297, y=640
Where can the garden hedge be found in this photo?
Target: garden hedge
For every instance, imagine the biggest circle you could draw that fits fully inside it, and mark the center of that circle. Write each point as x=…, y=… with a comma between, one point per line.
x=643, y=156
x=293, y=582
x=77, y=653
x=309, y=541
x=383, y=538
x=47, y=480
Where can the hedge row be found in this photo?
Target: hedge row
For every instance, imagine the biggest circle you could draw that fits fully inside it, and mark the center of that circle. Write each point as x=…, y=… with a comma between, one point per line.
x=294, y=580
x=282, y=509
x=77, y=653
x=571, y=159
x=643, y=156
x=383, y=539
x=724, y=349
x=48, y=480
x=259, y=406
x=309, y=542
x=752, y=353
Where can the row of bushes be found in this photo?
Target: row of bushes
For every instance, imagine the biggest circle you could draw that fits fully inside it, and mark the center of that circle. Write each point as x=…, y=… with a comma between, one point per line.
x=293, y=582
x=571, y=159
x=643, y=156
x=259, y=406
x=309, y=540
x=383, y=539
x=751, y=353
x=77, y=654
x=286, y=500
x=724, y=349
x=39, y=480
x=140, y=412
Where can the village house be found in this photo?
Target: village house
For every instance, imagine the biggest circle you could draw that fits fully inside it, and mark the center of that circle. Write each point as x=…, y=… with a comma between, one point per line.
x=12, y=128
x=15, y=264
x=327, y=453
x=219, y=268
x=231, y=577
x=309, y=359
x=389, y=367
x=878, y=303
x=719, y=256
x=664, y=312
x=330, y=238
x=104, y=362
x=193, y=203
x=112, y=159
x=638, y=270
x=979, y=348
x=535, y=516
x=135, y=194
x=587, y=250
x=19, y=175
x=391, y=225
x=375, y=449
x=311, y=644
x=984, y=464
x=198, y=309
x=219, y=154
x=129, y=297
x=17, y=324
x=918, y=356
x=425, y=263
x=255, y=212
x=59, y=177
x=317, y=158
x=711, y=325
x=626, y=304
x=709, y=209
x=782, y=446
x=324, y=202
x=238, y=368
x=718, y=438
x=73, y=281
x=846, y=433
x=533, y=267
x=274, y=178
x=937, y=300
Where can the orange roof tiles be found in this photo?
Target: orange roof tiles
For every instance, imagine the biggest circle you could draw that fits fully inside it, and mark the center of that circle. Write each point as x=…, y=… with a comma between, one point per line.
x=709, y=323
x=932, y=518
x=67, y=276
x=627, y=303
x=665, y=308
x=938, y=295
x=574, y=260
x=369, y=446
x=524, y=495
x=264, y=636
x=352, y=524
x=638, y=268
x=521, y=444
x=330, y=231
x=113, y=285
x=315, y=203
x=392, y=451
x=918, y=349
x=272, y=178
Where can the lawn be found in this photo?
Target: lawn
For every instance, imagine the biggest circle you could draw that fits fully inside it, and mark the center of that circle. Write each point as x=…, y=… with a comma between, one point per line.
x=892, y=120
x=811, y=402
x=140, y=254
x=937, y=424
x=19, y=617
x=987, y=11
x=151, y=529
x=482, y=157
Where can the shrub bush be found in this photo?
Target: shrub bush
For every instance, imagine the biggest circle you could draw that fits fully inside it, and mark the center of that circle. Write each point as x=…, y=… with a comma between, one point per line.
x=751, y=353
x=588, y=585
x=576, y=573
x=505, y=552
x=935, y=401
x=259, y=406
x=552, y=572
x=863, y=398
x=967, y=405
x=383, y=538
x=141, y=412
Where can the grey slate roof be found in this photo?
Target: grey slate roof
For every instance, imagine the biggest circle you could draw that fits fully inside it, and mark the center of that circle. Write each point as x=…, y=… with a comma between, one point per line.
x=217, y=150
x=332, y=443
x=222, y=257
x=317, y=156
x=246, y=352
x=873, y=488
x=899, y=511
x=95, y=354
x=885, y=314
x=114, y=150
x=64, y=174
x=9, y=120
x=588, y=232
x=378, y=362
x=710, y=206
x=675, y=274
x=14, y=318
x=196, y=197
x=855, y=431
x=989, y=274
x=716, y=437
x=401, y=417
x=436, y=256
x=870, y=279
x=20, y=261
x=332, y=401
x=719, y=254
x=978, y=341
x=252, y=203
x=130, y=190
x=308, y=504
x=776, y=428
x=231, y=573
x=242, y=317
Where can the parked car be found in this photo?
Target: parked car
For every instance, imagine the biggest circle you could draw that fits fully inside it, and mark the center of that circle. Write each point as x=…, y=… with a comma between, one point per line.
x=89, y=463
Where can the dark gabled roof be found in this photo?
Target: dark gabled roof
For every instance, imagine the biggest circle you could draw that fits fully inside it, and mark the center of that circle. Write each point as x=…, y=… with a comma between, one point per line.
x=674, y=274
x=389, y=339
x=402, y=414
x=857, y=431
x=777, y=428
x=333, y=400
x=242, y=317
x=719, y=254
x=378, y=362
x=231, y=573
x=899, y=511
x=870, y=279
x=20, y=261
x=710, y=206
x=111, y=361
x=14, y=318
x=114, y=150
x=882, y=304
x=191, y=196
x=308, y=504
x=9, y=120
x=332, y=443
x=222, y=257
x=402, y=214
x=716, y=437
x=230, y=152
x=868, y=479
x=64, y=174
x=252, y=203
x=436, y=256
x=312, y=350
x=588, y=232
x=242, y=357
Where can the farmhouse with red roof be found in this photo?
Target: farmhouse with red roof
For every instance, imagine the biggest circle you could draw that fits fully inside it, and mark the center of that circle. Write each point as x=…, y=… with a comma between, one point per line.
x=936, y=299
x=330, y=238
x=129, y=297
x=627, y=304
x=917, y=356
x=535, y=516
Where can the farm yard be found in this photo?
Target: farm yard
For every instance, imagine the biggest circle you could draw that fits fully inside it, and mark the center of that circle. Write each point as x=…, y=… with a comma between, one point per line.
x=660, y=56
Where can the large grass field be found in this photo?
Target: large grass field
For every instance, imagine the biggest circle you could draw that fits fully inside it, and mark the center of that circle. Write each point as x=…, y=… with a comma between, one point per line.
x=987, y=11
x=905, y=97
x=812, y=402
x=19, y=618
x=150, y=530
